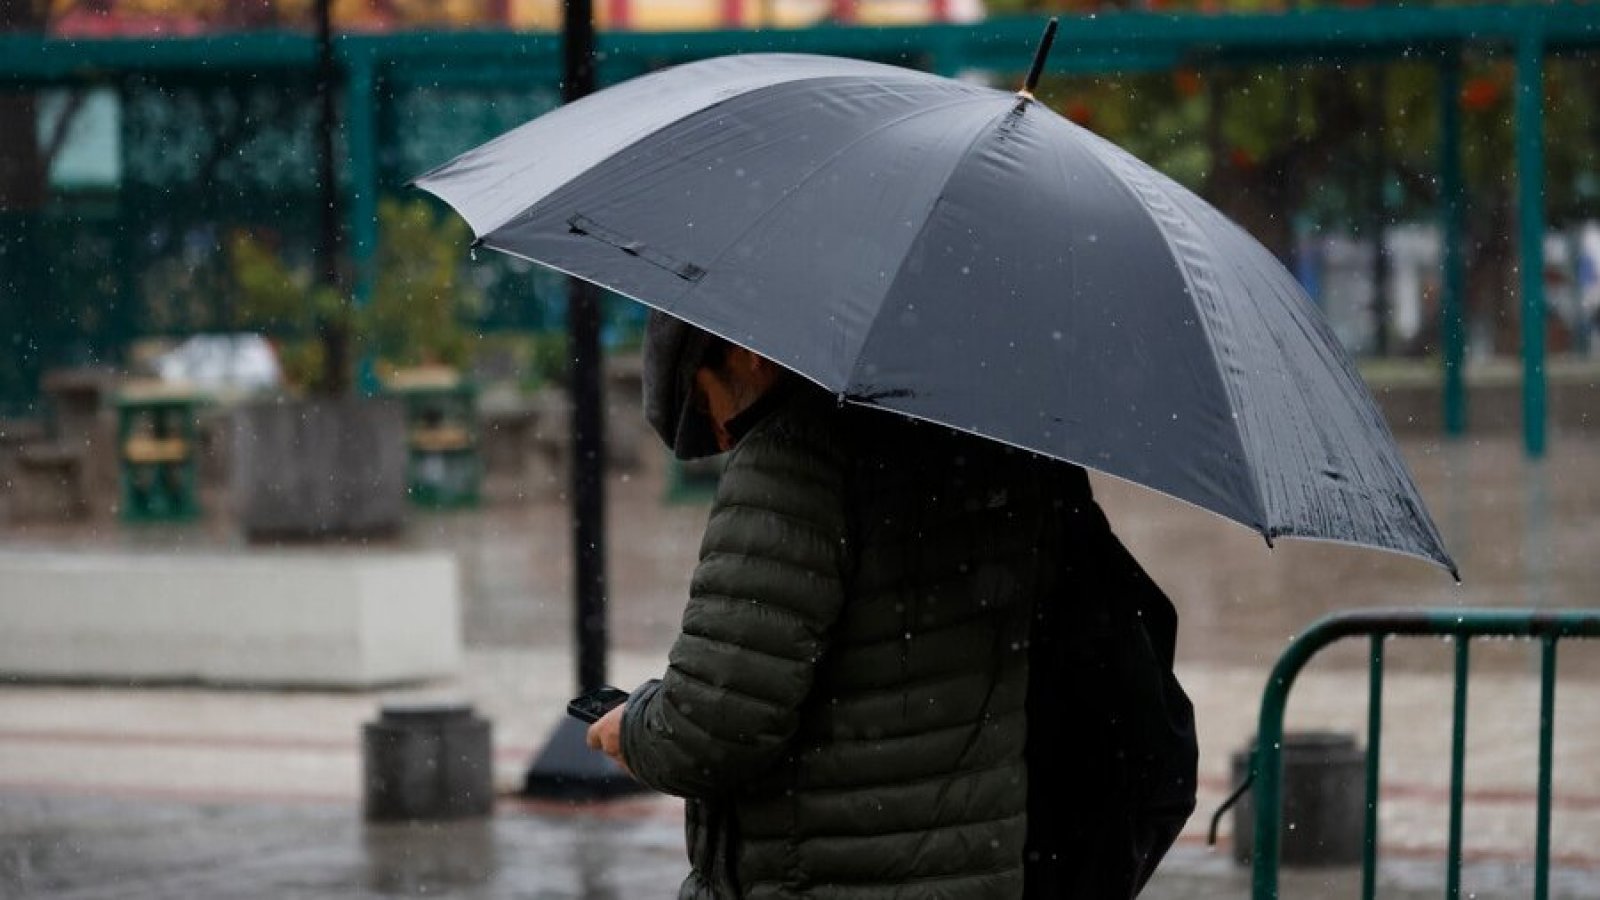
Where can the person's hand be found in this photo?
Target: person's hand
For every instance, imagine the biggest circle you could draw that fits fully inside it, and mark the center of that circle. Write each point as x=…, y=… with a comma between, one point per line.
x=605, y=735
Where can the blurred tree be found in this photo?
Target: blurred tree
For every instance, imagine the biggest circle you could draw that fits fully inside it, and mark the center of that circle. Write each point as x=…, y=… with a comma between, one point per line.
x=421, y=298
x=286, y=302
x=416, y=315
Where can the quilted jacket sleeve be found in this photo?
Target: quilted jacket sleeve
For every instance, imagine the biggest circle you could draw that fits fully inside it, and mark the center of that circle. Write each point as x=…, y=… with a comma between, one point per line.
x=764, y=597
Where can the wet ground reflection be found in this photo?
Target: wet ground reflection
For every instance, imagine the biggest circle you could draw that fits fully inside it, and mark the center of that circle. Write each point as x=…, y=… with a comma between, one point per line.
x=423, y=858
x=148, y=849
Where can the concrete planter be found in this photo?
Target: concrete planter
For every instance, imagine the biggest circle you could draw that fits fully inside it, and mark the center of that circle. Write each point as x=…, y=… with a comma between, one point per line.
x=320, y=619
x=320, y=468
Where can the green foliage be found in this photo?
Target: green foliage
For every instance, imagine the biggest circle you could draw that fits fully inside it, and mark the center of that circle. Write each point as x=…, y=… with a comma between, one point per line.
x=414, y=317
x=526, y=360
x=276, y=297
x=288, y=304
x=1315, y=121
x=420, y=299
x=548, y=362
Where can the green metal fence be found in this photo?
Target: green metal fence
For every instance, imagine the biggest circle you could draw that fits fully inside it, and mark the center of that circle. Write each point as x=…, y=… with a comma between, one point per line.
x=1462, y=626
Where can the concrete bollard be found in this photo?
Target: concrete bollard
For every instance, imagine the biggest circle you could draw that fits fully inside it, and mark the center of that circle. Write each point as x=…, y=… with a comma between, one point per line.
x=1324, y=798
x=427, y=762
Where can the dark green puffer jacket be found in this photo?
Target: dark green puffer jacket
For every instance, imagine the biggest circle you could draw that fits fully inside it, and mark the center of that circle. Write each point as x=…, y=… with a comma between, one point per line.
x=844, y=707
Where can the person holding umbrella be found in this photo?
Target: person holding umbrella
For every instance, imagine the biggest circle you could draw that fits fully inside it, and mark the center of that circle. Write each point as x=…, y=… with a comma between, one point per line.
x=915, y=661
x=850, y=708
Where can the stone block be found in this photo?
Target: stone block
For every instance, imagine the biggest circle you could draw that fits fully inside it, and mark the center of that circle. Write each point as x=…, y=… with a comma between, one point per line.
x=348, y=620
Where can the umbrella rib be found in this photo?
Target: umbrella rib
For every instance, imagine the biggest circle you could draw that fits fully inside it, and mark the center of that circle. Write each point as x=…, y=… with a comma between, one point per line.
x=1126, y=177
x=624, y=146
x=748, y=96
x=927, y=221
x=988, y=130
x=656, y=305
x=821, y=167
x=1195, y=276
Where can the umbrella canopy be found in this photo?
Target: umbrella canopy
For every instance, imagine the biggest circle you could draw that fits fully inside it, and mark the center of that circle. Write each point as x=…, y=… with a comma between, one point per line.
x=962, y=255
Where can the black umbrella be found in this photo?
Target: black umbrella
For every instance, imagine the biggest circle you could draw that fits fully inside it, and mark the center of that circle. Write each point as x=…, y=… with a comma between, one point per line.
x=963, y=255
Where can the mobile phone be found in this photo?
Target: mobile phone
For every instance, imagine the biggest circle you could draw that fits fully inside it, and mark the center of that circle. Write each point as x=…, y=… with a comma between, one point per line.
x=591, y=706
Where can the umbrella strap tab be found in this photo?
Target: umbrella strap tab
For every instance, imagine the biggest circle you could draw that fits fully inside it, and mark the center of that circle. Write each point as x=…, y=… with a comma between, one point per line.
x=590, y=228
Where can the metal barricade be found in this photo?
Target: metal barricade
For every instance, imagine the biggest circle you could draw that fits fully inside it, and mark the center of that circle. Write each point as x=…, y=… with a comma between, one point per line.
x=1266, y=771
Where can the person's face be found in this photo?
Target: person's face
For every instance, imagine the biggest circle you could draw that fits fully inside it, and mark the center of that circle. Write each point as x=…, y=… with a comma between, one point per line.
x=724, y=392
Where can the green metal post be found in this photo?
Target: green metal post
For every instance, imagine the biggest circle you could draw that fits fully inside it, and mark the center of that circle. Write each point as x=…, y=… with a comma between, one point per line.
x=1268, y=763
x=1458, y=758
x=361, y=162
x=1530, y=220
x=1547, y=719
x=1267, y=760
x=944, y=54
x=1369, y=844
x=1452, y=302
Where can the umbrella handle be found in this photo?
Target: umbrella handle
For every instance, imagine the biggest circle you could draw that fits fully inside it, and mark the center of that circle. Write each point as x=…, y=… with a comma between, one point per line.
x=1039, y=58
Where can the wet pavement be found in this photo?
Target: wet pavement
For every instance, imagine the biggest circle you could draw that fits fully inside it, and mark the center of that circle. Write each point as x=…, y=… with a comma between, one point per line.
x=146, y=791
x=104, y=849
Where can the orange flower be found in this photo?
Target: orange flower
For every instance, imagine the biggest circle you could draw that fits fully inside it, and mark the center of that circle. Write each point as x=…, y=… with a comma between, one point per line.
x=1187, y=82
x=1480, y=93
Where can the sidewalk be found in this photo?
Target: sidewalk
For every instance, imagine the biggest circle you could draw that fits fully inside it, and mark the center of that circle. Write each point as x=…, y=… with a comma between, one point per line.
x=152, y=792
x=110, y=792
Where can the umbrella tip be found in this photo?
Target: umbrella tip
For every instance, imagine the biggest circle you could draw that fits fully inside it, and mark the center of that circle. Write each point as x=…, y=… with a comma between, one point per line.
x=1038, y=59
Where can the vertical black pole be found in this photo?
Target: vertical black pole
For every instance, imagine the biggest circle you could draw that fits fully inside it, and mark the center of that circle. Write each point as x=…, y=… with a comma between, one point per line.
x=588, y=484
x=577, y=50
x=588, y=438
x=334, y=339
x=566, y=767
